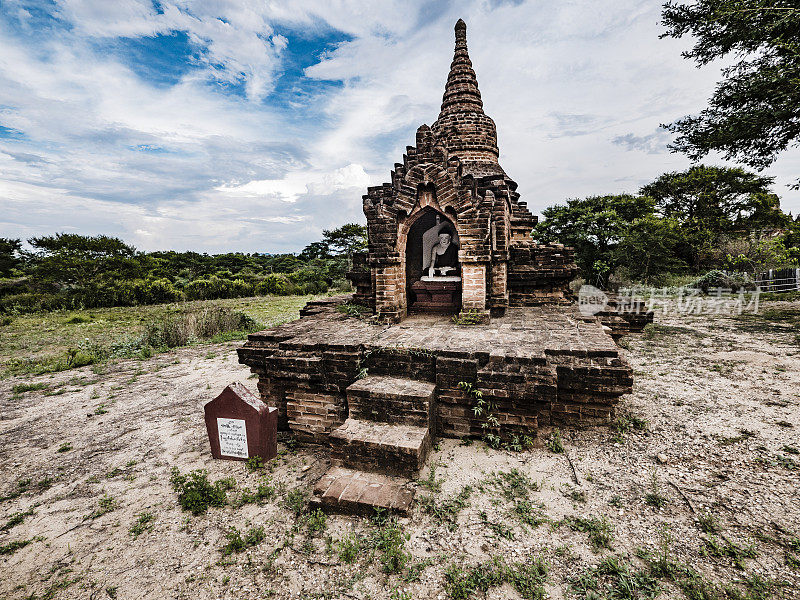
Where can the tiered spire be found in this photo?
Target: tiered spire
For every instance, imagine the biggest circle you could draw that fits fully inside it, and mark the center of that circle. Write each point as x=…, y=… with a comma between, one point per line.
x=461, y=93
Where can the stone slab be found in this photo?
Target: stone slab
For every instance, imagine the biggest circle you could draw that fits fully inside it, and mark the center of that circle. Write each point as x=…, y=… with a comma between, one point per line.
x=356, y=492
x=380, y=447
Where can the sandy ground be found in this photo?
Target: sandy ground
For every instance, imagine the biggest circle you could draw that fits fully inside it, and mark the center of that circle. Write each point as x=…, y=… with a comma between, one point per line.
x=720, y=397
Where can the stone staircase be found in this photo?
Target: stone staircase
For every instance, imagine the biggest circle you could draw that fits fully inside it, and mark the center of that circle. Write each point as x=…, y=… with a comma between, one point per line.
x=383, y=443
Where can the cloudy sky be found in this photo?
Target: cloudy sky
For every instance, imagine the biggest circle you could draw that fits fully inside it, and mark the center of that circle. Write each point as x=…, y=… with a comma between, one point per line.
x=235, y=125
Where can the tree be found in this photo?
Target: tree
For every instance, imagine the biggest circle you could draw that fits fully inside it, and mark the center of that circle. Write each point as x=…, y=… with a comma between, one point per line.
x=755, y=254
x=315, y=250
x=708, y=202
x=754, y=113
x=9, y=256
x=593, y=227
x=346, y=239
x=649, y=249
x=72, y=259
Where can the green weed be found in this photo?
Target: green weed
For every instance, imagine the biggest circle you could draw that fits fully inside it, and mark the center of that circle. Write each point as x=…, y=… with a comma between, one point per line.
x=196, y=493
x=144, y=522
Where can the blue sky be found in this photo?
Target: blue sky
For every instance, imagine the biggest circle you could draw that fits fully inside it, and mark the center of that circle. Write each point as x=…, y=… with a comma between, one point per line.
x=230, y=125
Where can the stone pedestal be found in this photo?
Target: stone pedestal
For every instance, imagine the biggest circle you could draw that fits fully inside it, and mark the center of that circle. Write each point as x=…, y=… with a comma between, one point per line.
x=438, y=294
x=240, y=425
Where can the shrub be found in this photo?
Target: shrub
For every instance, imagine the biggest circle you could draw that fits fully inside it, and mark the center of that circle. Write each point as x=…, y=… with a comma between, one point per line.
x=196, y=493
x=721, y=279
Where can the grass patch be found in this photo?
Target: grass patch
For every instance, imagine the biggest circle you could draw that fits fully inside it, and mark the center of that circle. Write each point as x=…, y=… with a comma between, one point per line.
x=708, y=523
x=239, y=543
x=717, y=548
x=554, y=442
x=431, y=483
x=11, y=547
x=390, y=541
x=105, y=505
x=625, y=423
x=654, y=497
x=446, y=512
x=654, y=331
x=467, y=582
x=348, y=548
x=21, y=388
x=600, y=529
x=616, y=578
x=296, y=501
x=40, y=343
x=16, y=519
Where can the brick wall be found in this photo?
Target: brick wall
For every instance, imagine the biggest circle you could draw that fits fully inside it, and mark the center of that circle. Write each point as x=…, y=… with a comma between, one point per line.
x=473, y=287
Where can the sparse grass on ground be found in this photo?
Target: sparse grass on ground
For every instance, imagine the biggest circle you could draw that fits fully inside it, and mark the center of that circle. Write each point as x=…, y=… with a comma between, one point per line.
x=107, y=488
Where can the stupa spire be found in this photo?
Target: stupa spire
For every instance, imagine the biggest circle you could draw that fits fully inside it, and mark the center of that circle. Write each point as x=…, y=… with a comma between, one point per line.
x=461, y=93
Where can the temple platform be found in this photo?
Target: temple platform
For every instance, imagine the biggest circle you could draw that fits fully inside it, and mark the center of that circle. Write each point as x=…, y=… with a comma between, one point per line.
x=539, y=365
x=378, y=394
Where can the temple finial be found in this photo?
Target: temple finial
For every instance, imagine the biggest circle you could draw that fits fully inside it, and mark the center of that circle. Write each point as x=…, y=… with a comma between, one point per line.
x=461, y=93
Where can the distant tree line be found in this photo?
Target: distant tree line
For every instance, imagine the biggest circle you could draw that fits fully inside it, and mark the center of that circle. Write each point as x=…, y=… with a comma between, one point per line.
x=683, y=223
x=68, y=270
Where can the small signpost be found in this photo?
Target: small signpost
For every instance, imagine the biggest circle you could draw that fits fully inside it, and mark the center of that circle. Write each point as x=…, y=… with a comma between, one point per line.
x=240, y=425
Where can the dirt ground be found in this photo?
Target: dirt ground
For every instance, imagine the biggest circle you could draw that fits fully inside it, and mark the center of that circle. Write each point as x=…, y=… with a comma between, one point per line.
x=712, y=476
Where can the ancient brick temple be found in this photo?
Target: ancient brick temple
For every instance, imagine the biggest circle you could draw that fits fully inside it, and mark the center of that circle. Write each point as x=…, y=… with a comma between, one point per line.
x=452, y=178
x=449, y=234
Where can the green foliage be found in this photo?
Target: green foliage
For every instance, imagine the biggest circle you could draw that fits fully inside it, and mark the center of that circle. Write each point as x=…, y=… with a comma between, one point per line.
x=446, y=512
x=105, y=505
x=239, y=543
x=254, y=463
x=74, y=271
x=21, y=388
x=15, y=519
x=691, y=221
x=346, y=239
x=348, y=548
x=315, y=521
x=594, y=227
x=469, y=317
x=615, y=576
x=12, y=547
x=196, y=493
x=297, y=501
x=144, y=522
x=754, y=113
x=654, y=497
x=390, y=540
x=729, y=549
x=467, y=582
x=554, y=442
x=600, y=530
x=9, y=256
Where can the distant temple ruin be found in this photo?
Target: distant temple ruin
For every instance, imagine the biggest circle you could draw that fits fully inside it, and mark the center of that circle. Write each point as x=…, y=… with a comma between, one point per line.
x=449, y=234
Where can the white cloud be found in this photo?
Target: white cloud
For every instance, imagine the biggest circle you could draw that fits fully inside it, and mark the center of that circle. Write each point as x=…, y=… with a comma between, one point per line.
x=577, y=91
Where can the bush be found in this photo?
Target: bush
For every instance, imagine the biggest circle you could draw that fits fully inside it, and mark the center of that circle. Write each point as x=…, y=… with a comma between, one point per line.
x=275, y=284
x=721, y=279
x=179, y=329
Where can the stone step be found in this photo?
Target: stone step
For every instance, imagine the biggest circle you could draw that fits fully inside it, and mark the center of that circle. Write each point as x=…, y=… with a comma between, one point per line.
x=392, y=400
x=380, y=447
x=356, y=492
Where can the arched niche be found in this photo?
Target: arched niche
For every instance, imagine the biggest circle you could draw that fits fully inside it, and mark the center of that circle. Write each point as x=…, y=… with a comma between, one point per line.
x=422, y=232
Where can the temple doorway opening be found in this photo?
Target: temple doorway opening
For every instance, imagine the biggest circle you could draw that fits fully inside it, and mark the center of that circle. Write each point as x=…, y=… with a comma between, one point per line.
x=433, y=273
